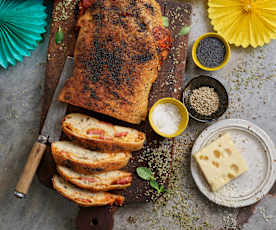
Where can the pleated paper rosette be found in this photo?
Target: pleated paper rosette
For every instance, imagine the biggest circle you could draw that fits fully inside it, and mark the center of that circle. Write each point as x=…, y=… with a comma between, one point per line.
x=244, y=22
x=21, y=26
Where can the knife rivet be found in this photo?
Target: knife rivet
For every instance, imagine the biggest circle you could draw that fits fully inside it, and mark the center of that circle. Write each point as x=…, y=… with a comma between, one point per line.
x=42, y=139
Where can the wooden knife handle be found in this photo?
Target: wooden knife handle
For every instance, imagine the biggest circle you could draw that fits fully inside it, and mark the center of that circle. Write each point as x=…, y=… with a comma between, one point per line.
x=28, y=173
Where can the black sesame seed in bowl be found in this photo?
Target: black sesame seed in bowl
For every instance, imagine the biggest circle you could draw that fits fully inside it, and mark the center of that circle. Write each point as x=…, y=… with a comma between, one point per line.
x=211, y=52
x=205, y=98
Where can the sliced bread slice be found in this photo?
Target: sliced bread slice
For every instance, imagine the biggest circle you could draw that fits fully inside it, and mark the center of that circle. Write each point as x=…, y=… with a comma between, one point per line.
x=97, y=182
x=95, y=134
x=83, y=197
x=86, y=161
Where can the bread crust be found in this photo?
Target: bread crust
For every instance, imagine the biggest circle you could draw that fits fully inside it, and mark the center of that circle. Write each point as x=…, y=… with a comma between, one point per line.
x=114, y=145
x=88, y=166
x=96, y=144
x=98, y=186
x=89, y=201
x=116, y=67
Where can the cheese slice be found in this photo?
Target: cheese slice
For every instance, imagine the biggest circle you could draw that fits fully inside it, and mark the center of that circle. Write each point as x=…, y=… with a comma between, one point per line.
x=220, y=162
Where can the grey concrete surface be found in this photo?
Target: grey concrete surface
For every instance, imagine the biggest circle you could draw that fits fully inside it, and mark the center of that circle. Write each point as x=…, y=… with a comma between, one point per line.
x=250, y=78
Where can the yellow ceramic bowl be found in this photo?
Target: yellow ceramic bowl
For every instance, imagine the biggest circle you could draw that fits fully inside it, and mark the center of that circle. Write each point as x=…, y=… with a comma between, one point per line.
x=183, y=112
x=227, y=54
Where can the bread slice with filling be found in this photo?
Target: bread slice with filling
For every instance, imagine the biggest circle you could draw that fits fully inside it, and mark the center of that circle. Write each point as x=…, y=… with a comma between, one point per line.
x=85, y=161
x=103, y=181
x=95, y=134
x=83, y=197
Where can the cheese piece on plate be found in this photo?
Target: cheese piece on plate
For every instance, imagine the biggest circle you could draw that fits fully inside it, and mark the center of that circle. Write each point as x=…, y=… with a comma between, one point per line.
x=220, y=162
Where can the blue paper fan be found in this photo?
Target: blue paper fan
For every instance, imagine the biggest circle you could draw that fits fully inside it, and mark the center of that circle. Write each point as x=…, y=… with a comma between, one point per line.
x=21, y=24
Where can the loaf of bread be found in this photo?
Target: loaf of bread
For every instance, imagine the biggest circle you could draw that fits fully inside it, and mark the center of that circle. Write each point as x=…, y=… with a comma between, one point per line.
x=97, y=182
x=95, y=134
x=83, y=197
x=120, y=48
x=86, y=161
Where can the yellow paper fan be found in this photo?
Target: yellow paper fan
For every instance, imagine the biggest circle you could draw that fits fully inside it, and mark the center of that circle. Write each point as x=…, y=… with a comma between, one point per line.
x=244, y=22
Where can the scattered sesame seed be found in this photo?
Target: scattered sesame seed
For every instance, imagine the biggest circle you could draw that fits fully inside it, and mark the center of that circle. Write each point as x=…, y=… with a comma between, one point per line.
x=64, y=10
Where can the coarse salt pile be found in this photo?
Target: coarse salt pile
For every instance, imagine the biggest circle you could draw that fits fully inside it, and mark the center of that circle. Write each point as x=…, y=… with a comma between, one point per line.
x=166, y=117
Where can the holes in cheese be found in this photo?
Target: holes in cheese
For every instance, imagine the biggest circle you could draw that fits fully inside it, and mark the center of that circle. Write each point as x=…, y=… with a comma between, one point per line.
x=235, y=168
x=230, y=175
x=204, y=158
x=228, y=151
x=217, y=154
x=216, y=164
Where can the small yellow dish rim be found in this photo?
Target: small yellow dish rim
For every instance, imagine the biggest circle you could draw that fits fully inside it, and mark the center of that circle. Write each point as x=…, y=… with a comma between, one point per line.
x=227, y=55
x=183, y=111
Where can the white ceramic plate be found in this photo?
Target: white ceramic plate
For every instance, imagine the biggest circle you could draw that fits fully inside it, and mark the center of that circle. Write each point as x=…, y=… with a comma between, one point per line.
x=259, y=153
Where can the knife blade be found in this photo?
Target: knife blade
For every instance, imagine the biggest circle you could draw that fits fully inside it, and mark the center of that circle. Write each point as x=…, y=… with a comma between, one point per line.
x=52, y=125
x=51, y=131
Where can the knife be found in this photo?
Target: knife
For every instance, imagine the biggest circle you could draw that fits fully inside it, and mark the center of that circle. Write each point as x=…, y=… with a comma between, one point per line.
x=51, y=131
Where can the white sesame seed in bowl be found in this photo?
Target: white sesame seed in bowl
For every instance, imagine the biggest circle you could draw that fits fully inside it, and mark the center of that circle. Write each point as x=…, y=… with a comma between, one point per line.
x=205, y=98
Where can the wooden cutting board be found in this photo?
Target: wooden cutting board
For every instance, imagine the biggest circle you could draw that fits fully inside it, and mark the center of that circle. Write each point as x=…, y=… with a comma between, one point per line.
x=168, y=84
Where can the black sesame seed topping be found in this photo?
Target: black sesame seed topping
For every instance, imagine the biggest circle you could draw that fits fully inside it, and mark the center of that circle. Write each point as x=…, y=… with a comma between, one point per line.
x=142, y=58
x=150, y=7
x=142, y=26
x=210, y=52
x=132, y=2
x=93, y=94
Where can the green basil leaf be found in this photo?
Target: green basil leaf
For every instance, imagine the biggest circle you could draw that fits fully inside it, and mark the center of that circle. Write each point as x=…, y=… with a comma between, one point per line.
x=162, y=189
x=154, y=185
x=165, y=21
x=144, y=173
x=59, y=36
x=184, y=30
